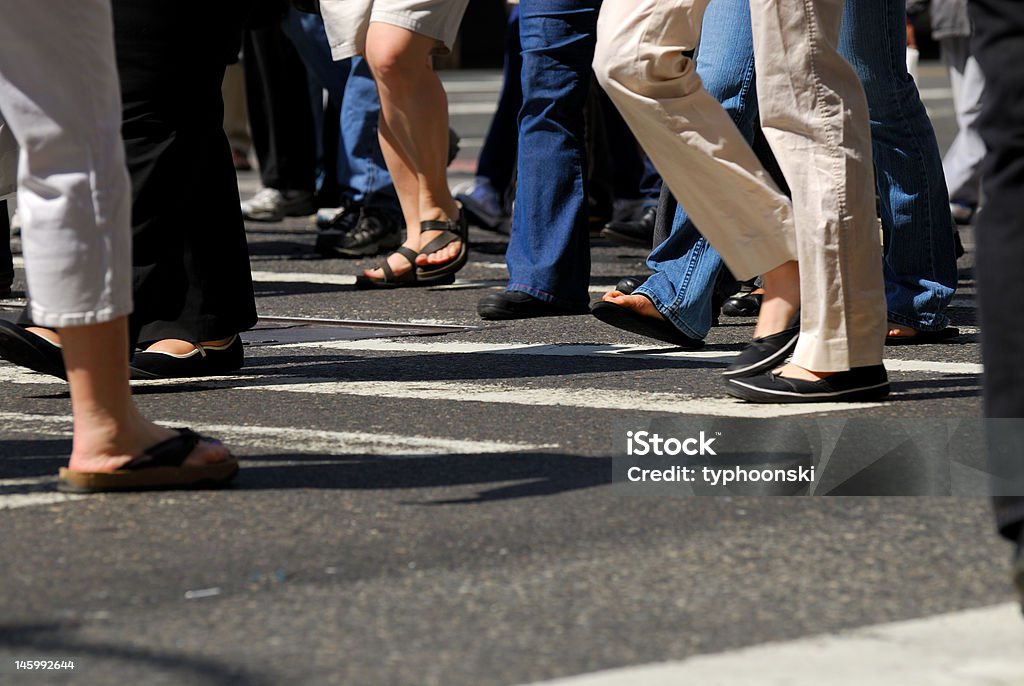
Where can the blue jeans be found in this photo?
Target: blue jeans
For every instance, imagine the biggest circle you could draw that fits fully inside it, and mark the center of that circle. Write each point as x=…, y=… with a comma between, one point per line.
x=549, y=251
x=362, y=174
x=920, y=263
x=497, y=160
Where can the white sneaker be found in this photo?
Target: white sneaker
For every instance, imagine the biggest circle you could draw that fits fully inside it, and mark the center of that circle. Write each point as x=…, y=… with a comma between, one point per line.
x=272, y=205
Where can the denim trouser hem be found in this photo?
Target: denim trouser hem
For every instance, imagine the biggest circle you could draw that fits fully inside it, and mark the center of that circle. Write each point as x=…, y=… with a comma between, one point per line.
x=669, y=313
x=942, y=319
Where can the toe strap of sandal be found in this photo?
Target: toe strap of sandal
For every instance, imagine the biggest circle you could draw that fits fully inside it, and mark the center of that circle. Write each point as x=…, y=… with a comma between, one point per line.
x=408, y=253
x=451, y=231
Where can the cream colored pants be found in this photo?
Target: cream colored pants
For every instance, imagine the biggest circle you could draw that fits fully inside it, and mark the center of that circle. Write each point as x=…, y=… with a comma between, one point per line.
x=346, y=21
x=60, y=94
x=814, y=115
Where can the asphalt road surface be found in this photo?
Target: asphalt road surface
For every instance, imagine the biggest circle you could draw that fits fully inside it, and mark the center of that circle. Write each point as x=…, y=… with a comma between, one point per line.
x=436, y=509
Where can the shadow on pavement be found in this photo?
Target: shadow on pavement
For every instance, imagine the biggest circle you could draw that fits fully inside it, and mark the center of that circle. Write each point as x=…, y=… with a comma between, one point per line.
x=52, y=640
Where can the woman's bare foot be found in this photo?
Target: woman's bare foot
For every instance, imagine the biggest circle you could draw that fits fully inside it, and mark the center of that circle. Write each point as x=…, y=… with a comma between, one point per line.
x=792, y=371
x=176, y=346
x=101, y=447
x=638, y=303
x=445, y=254
x=781, y=299
x=49, y=334
x=900, y=331
x=399, y=265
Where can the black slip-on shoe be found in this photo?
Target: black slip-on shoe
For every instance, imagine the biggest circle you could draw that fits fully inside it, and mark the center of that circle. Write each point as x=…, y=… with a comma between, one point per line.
x=519, y=305
x=205, y=360
x=28, y=350
x=857, y=384
x=762, y=354
x=629, y=320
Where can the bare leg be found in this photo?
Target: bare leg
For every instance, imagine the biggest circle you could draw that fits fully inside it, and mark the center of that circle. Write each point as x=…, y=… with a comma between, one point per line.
x=781, y=299
x=108, y=428
x=414, y=133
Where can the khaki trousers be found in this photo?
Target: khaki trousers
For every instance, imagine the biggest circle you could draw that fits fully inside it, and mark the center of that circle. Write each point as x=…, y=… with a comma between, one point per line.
x=814, y=115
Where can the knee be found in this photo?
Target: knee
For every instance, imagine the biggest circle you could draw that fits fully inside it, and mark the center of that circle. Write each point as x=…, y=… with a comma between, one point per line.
x=392, y=63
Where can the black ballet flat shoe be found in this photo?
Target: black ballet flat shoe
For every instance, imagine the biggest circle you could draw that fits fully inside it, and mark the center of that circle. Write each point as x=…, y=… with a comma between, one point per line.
x=768, y=352
x=205, y=360
x=26, y=349
x=859, y=384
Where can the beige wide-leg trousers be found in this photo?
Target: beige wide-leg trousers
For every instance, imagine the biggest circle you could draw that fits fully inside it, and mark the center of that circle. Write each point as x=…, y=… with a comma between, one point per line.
x=814, y=115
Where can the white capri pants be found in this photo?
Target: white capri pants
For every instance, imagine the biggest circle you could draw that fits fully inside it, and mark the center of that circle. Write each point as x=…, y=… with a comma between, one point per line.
x=59, y=94
x=347, y=21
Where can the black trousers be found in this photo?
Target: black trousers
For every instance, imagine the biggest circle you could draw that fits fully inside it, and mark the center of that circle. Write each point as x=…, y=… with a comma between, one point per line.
x=6, y=258
x=280, y=111
x=998, y=45
x=190, y=258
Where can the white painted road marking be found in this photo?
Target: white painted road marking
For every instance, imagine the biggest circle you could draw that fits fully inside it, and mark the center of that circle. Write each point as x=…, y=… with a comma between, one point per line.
x=20, y=492
x=289, y=439
x=972, y=648
x=654, y=352
x=450, y=391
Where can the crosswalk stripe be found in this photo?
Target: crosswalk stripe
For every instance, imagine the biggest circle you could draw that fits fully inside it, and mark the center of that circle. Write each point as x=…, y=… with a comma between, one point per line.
x=289, y=438
x=450, y=391
x=645, y=352
x=978, y=647
x=588, y=398
x=303, y=277
x=20, y=492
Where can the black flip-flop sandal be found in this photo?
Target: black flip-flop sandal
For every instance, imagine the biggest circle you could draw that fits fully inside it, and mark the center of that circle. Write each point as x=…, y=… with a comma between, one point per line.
x=629, y=320
x=26, y=349
x=451, y=231
x=159, y=467
x=924, y=337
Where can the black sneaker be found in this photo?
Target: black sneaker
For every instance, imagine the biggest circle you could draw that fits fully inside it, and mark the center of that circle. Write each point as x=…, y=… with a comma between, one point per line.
x=857, y=384
x=377, y=231
x=334, y=230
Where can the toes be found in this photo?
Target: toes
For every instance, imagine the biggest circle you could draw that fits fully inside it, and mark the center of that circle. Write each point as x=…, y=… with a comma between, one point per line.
x=208, y=452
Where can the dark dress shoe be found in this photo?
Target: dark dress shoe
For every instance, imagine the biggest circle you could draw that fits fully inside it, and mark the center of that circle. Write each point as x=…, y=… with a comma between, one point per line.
x=208, y=360
x=746, y=305
x=628, y=284
x=857, y=384
x=638, y=232
x=519, y=305
x=26, y=349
